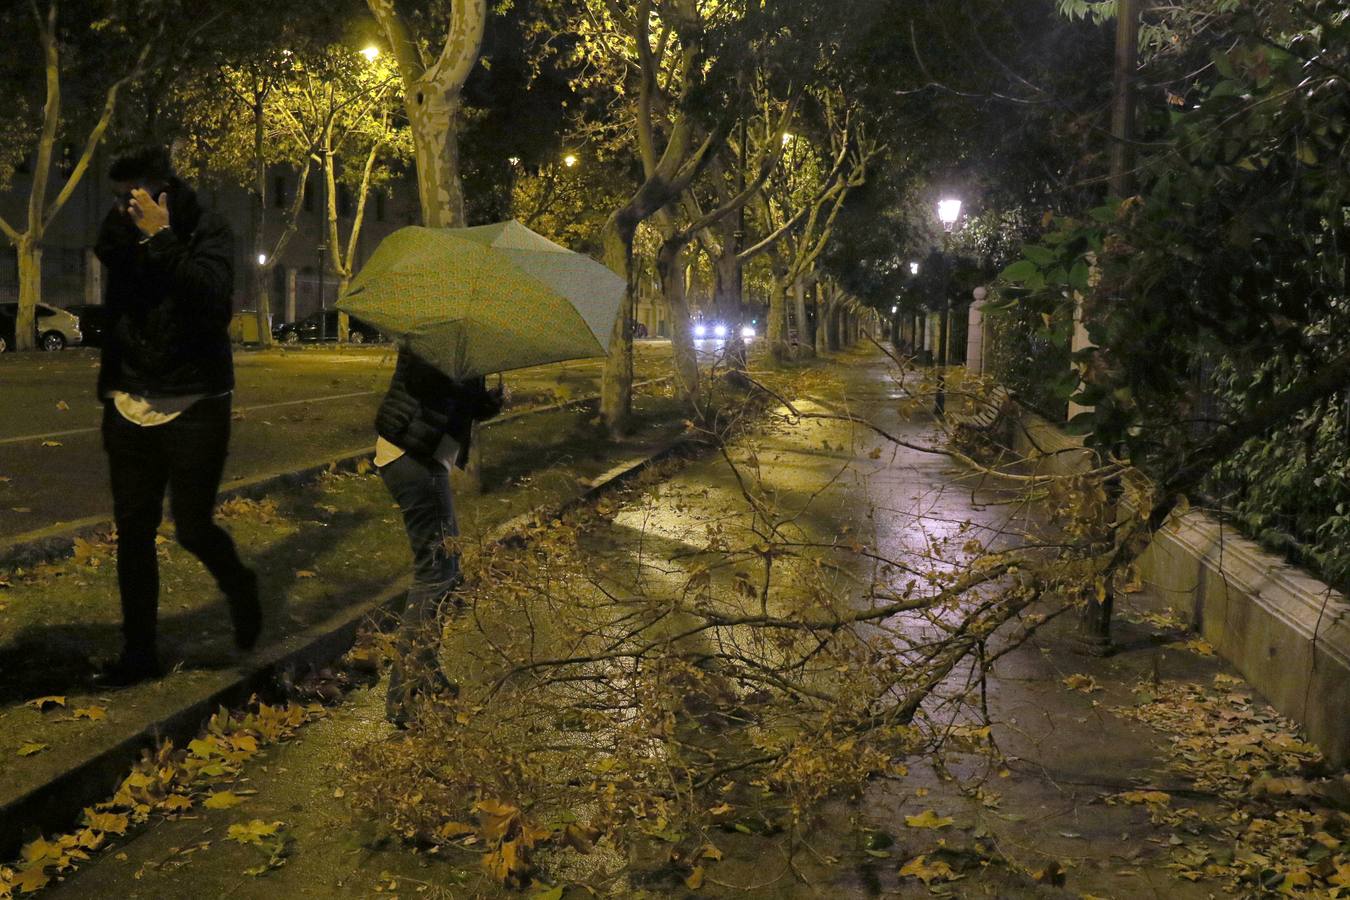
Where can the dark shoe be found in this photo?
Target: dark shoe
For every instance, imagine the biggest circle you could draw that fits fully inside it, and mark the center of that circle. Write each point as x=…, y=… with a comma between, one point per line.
x=246, y=613
x=127, y=670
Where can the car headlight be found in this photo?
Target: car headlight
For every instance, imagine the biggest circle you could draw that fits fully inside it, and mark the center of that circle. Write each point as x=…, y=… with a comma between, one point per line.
x=748, y=331
x=700, y=330
x=719, y=330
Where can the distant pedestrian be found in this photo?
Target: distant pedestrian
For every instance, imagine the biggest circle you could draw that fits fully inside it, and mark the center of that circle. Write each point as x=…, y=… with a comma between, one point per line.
x=165, y=381
x=424, y=425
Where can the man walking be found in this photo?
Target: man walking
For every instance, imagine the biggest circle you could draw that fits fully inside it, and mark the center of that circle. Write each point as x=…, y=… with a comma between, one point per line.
x=165, y=380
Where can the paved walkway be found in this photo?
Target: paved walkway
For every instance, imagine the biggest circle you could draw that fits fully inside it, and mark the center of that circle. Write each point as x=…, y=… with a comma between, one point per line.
x=1034, y=823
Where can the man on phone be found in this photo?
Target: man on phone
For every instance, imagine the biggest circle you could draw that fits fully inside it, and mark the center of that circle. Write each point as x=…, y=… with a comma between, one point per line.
x=165, y=380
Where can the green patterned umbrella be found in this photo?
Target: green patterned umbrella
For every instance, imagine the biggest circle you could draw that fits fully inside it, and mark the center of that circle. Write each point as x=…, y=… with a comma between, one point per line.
x=486, y=299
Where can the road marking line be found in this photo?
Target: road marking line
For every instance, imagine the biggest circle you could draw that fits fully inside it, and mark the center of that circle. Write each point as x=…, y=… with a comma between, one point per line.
x=55, y=434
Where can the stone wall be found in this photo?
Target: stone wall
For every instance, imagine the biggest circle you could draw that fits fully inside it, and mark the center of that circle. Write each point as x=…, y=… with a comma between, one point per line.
x=1285, y=631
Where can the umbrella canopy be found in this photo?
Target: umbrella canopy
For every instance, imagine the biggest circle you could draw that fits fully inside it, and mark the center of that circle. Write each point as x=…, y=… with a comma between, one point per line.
x=486, y=299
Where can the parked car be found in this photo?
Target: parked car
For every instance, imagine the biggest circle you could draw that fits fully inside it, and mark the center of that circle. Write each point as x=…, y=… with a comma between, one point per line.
x=93, y=320
x=7, y=322
x=56, y=328
x=307, y=329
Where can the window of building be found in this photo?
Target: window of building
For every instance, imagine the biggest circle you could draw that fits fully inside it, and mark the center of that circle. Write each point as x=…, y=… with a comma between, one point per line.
x=310, y=186
x=279, y=199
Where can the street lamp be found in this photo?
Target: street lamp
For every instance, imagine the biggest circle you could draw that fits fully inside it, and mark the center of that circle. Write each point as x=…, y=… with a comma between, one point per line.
x=371, y=53
x=949, y=210
x=570, y=160
x=262, y=259
x=914, y=268
x=949, y=213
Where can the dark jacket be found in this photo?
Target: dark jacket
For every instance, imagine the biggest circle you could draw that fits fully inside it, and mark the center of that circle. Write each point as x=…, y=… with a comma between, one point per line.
x=169, y=302
x=423, y=404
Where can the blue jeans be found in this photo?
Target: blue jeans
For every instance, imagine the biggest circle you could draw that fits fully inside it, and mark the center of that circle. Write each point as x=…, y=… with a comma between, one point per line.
x=422, y=490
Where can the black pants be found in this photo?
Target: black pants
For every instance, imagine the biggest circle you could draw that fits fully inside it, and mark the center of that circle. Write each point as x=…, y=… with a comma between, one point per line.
x=186, y=456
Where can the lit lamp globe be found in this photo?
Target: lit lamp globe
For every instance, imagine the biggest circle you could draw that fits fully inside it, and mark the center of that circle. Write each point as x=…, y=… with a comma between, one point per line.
x=949, y=210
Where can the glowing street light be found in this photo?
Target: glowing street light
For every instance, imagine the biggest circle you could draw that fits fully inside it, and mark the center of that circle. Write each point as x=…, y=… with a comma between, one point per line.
x=262, y=259
x=787, y=138
x=949, y=210
x=371, y=53
x=914, y=268
x=570, y=160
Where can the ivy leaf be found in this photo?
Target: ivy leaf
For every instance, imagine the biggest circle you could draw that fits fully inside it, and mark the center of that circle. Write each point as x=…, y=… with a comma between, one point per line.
x=1019, y=271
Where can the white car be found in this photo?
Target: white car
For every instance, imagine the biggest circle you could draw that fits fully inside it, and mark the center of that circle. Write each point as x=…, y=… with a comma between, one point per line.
x=56, y=328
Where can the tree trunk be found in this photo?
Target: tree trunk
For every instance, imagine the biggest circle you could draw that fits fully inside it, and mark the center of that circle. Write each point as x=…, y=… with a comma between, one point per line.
x=670, y=267
x=262, y=301
x=435, y=120
x=777, y=332
x=804, y=347
x=727, y=299
x=822, y=322
x=616, y=386
x=30, y=291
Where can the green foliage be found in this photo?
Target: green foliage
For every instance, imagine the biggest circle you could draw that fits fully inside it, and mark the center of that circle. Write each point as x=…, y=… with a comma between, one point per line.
x=1232, y=258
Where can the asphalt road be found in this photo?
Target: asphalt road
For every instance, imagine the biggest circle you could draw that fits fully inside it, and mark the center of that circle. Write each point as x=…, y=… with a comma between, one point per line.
x=292, y=408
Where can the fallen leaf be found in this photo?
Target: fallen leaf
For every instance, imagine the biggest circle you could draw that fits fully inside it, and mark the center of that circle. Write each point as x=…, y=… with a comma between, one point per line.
x=1083, y=683
x=42, y=704
x=29, y=748
x=222, y=800
x=1149, y=797
x=304, y=573
x=254, y=832
x=920, y=868
x=93, y=713
x=928, y=819
x=694, y=880
x=63, y=406
x=51, y=443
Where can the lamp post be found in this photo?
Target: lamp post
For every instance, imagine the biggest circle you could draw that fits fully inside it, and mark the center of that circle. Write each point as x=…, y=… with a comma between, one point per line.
x=949, y=211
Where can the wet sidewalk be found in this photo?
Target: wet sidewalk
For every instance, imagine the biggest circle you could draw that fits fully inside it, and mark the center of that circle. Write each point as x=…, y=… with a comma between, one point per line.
x=1137, y=775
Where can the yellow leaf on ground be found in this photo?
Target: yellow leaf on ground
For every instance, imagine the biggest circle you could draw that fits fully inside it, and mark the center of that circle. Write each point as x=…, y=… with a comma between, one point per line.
x=51, y=443
x=93, y=713
x=927, y=872
x=1084, y=683
x=254, y=832
x=31, y=880
x=928, y=819
x=107, y=822
x=304, y=573
x=1149, y=797
x=1200, y=646
x=451, y=830
x=694, y=880
x=222, y=800
x=63, y=406
x=42, y=704
x=29, y=748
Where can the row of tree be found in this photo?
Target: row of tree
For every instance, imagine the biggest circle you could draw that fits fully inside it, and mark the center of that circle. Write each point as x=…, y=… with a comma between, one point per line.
x=783, y=144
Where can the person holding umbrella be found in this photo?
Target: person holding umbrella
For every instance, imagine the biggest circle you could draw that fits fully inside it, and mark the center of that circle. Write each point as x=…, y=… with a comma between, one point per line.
x=425, y=424
x=462, y=302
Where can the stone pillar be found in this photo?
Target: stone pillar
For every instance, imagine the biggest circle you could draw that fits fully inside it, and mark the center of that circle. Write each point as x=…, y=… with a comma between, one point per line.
x=93, y=279
x=975, y=333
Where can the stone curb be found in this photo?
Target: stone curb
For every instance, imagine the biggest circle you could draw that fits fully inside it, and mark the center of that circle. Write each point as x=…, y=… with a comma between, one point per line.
x=56, y=804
